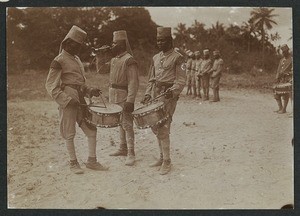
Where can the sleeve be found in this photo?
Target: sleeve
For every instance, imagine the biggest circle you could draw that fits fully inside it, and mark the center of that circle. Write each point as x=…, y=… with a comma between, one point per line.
x=180, y=77
x=133, y=80
x=219, y=67
x=53, y=84
x=151, y=79
x=278, y=69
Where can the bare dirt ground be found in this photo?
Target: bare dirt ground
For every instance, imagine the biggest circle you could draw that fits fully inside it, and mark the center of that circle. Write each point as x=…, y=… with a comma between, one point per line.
x=228, y=155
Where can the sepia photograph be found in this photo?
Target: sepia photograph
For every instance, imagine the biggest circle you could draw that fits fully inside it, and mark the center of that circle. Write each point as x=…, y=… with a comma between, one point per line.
x=150, y=107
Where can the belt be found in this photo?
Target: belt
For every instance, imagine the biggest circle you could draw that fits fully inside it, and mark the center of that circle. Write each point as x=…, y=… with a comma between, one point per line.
x=163, y=86
x=119, y=87
x=74, y=86
x=79, y=90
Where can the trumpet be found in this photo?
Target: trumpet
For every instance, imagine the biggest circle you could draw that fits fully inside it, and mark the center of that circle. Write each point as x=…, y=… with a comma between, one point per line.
x=103, y=49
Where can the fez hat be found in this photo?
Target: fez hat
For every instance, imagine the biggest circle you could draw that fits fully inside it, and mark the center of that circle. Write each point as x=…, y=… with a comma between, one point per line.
x=164, y=32
x=216, y=52
x=122, y=35
x=76, y=34
x=206, y=52
x=197, y=53
x=284, y=47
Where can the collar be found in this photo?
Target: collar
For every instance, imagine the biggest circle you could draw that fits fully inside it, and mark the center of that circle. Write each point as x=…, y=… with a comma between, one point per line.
x=122, y=54
x=167, y=53
x=66, y=53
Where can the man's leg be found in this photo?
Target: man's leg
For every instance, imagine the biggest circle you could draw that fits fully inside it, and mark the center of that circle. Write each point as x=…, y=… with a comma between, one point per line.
x=127, y=125
x=160, y=160
x=279, y=103
x=164, y=137
x=285, y=103
x=91, y=134
x=68, y=131
x=122, y=151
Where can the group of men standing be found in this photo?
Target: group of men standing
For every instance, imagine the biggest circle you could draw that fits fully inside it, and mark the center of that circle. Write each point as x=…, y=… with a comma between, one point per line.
x=66, y=85
x=202, y=73
x=169, y=73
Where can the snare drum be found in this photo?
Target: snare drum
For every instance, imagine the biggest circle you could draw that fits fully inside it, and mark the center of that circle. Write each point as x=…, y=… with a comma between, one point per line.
x=150, y=115
x=283, y=88
x=106, y=117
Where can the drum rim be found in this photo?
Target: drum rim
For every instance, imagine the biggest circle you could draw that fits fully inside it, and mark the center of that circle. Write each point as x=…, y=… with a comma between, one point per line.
x=161, y=105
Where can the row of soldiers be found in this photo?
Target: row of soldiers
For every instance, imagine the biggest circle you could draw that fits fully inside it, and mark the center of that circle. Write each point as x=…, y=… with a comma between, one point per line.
x=202, y=73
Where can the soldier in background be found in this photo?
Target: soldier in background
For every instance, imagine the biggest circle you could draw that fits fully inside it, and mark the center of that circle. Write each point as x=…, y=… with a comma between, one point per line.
x=166, y=75
x=193, y=72
x=66, y=85
x=197, y=78
x=204, y=75
x=188, y=69
x=284, y=76
x=215, y=75
x=124, y=83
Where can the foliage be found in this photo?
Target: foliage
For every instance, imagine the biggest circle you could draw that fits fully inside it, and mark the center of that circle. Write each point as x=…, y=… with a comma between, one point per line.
x=243, y=47
x=34, y=34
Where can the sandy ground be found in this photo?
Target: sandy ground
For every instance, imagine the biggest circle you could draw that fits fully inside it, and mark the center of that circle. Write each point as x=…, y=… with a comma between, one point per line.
x=228, y=155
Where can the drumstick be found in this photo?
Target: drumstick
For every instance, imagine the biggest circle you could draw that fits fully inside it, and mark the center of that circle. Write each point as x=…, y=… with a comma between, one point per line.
x=91, y=105
x=102, y=100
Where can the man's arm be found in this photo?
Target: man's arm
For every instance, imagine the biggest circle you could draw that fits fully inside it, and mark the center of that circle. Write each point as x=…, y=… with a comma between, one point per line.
x=53, y=85
x=133, y=80
x=151, y=79
x=180, y=79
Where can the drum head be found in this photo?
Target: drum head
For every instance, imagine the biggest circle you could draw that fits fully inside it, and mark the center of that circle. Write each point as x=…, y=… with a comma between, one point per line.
x=110, y=108
x=148, y=108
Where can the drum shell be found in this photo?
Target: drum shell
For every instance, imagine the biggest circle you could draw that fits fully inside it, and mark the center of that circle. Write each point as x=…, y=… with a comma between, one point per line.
x=150, y=118
x=105, y=120
x=283, y=88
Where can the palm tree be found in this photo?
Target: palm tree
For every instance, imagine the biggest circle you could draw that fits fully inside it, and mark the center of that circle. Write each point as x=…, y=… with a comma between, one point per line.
x=263, y=20
x=217, y=31
x=181, y=33
x=249, y=31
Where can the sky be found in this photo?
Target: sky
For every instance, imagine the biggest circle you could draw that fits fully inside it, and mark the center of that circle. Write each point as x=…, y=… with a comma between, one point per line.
x=171, y=16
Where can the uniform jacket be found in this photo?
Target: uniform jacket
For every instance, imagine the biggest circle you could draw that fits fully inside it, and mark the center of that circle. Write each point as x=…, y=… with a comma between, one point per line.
x=217, y=68
x=189, y=63
x=167, y=68
x=205, y=66
x=123, y=72
x=198, y=63
x=65, y=69
x=285, y=67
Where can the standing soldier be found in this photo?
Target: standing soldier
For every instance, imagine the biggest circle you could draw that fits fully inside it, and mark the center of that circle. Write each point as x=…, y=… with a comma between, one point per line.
x=189, y=72
x=284, y=78
x=193, y=72
x=204, y=70
x=215, y=74
x=124, y=83
x=66, y=85
x=166, y=75
x=197, y=78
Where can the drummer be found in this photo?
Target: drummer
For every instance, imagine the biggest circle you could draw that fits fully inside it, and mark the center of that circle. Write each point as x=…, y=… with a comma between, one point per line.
x=284, y=75
x=166, y=75
x=66, y=85
x=124, y=84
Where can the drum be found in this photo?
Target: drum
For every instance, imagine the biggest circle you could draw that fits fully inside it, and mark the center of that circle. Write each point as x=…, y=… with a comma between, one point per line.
x=283, y=88
x=105, y=117
x=150, y=115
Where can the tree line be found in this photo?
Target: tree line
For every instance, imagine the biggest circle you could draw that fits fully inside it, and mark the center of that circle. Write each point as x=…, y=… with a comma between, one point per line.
x=34, y=36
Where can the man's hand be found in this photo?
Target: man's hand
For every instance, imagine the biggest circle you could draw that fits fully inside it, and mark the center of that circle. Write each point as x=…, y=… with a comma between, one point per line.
x=73, y=103
x=128, y=107
x=169, y=94
x=95, y=92
x=146, y=99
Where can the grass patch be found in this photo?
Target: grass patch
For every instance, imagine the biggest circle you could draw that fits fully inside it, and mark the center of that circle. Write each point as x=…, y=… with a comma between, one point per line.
x=31, y=85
